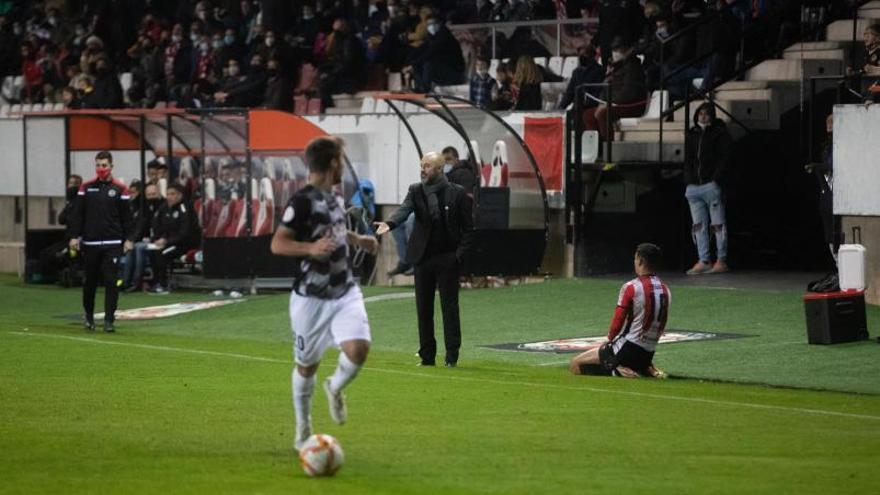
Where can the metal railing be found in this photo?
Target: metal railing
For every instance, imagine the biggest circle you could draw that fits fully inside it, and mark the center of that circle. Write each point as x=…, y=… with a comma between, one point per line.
x=494, y=27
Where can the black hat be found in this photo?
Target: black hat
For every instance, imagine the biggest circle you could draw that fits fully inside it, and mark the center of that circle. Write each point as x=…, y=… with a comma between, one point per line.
x=620, y=42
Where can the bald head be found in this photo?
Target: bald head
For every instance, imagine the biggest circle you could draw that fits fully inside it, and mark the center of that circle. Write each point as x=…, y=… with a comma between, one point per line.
x=432, y=166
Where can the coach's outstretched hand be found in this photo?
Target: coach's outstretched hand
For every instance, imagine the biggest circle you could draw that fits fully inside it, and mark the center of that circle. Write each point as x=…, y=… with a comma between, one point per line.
x=381, y=228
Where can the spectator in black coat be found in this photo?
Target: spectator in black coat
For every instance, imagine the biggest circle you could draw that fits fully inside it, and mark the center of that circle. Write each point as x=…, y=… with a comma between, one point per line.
x=243, y=91
x=344, y=70
x=175, y=231
x=622, y=19
x=279, y=87
x=458, y=171
x=438, y=61
x=628, y=91
x=588, y=71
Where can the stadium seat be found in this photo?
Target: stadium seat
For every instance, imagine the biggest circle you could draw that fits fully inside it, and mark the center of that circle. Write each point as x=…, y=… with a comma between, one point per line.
x=368, y=105
x=496, y=173
x=59, y=106
x=659, y=101
x=4, y=111
x=7, y=91
x=382, y=106
x=493, y=68
x=555, y=65
x=540, y=61
x=300, y=104
x=590, y=146
x=314, y=106
x=264, y=217
x=234, y=210
x=568, y=67
x=163, y=186
x=15, y=109
x=26, y=107
x=37, y=107
x=308, y=80
x=395, y=81
x=125, y=80
x=160, y=105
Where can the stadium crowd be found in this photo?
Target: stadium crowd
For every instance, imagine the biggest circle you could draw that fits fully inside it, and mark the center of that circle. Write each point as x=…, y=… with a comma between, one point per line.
x=249, y=53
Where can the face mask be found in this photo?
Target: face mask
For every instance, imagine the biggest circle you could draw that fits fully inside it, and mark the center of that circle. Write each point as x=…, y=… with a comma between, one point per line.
x=270, y=41
x=703, y=125
x=217, y=44
x=233, y=70
x=202, y=15
x=433, y=29
x=447, y=168
x=194, y=37
x=372, y=10
x=482, y=73
x=308, y=17
x=175, y=38
x=662, y=32
x=204, y=47
x=53, y=21
x=103, y=173
x=229, y=39
x=617, y=56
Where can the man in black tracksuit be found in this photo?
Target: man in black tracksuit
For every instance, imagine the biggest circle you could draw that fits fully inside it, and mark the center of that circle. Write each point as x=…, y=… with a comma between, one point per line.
x=440, y=240
x=175, y=231
x=99, y=223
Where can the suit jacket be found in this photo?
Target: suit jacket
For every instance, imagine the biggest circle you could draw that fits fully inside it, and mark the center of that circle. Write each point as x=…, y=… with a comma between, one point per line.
x=457, y=207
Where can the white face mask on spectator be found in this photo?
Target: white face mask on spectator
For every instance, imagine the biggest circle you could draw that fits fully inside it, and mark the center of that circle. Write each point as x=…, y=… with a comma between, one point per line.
x=176, y=38
x=270, y=41
x=194, y=37
x=703, y=125
x=203, y=46
x=217, y=44
x=447, y=167
x=482, y=72
x=617, y=56
x=233, y=70
x=662, y=32
x=433, y=29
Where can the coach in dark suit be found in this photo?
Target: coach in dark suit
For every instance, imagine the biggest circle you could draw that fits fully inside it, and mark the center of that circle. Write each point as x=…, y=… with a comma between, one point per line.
x=440, y=239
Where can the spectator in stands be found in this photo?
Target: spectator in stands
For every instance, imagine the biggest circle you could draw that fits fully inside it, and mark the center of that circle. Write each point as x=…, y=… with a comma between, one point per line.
x=306, y=27
x=228, y=49
x=618, y=19
x=177, y=60
x=156, y=169
x=723, y=44
x=279, y=87
x=146, y=59
x=527, y=85
x=628, y=91
x=588, y=71
x=871, y=37
x=458, y=171
x=247, y=91
x=69, y=98
x=205, y=61
x=175, y=231
x=142, y=218
x=676, y=57
x=502, y=99
x=32, y=74
x=343, y=70
x=439, y=60
x=107, y=92
x=706, y=161
x=420, y=33
x=482, y=84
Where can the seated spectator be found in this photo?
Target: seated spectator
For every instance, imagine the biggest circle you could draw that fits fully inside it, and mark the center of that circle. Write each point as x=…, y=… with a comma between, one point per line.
x=135, y=260
x=439, y=60
x=146, y=60
x=177, y=59
x=588, y=71
x=307, y=27
x=628, y=91
x=871, y=38
x=107, y=92
x=482, y=84
x=676, y=55
x=420, y=33
x=247, y=91
x=69, y=98
x=32, y=74
x=457, y=171
x=279, y=87
x=622, y=20
x=175, y=231
x=343, y=70
x=94, y=50
x=527, y=85
x=226, y=48
x=502, y=98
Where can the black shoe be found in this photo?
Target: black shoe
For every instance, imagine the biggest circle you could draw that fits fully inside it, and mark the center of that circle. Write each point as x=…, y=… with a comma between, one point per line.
x=89, y=324
x=400, y=268
x=108, y=327
x=426, y=363
x=451, y=364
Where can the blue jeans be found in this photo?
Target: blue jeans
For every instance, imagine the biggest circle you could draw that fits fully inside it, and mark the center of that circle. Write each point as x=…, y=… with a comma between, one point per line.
x=401, y=238
x=707, y=206
x=133, y=264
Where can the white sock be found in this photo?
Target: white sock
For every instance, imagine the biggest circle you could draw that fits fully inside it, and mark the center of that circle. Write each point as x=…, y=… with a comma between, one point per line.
x=303, y=388
x=345, y=373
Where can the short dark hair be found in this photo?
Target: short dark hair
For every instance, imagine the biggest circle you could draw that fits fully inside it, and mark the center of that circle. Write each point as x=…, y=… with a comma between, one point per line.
x=177, y=187
x=650, y=254
x=450, y=149
x=321, y=151
x=104, y=155
x=76, y=176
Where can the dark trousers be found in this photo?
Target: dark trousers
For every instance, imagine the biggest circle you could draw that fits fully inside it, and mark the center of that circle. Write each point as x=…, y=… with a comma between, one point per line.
x=161, y=260
x=438, y=272
x=101, y=261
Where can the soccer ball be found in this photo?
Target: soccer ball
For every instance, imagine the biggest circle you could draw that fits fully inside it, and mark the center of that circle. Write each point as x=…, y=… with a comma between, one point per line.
x=321, y=455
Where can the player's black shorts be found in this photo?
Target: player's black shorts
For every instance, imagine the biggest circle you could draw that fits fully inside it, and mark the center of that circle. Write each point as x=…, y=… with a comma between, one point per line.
x=630, y=355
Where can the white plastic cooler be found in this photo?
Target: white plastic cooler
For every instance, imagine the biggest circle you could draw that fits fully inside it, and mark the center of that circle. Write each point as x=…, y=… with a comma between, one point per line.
x=851, y=266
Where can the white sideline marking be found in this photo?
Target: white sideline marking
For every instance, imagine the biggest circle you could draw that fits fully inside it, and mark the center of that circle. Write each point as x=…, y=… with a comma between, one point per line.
x=248, y=357
x=388, y=297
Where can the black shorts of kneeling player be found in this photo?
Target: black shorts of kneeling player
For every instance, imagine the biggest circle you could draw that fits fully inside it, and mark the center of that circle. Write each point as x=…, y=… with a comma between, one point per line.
x=630, y=355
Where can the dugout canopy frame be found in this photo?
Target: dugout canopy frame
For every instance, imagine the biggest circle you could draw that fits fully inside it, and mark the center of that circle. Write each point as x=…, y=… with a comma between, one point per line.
x=511, y=210
x=239, y=168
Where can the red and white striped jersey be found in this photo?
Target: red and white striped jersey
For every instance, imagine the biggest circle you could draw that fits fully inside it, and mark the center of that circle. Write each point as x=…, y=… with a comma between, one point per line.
x=640, y=318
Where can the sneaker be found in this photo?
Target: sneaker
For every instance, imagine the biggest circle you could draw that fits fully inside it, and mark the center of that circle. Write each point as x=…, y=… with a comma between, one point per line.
x=656, y=372
x=699, y=268
x=336, y=401
x=720, y=267
x=89, y=323
x=302, y=434
x=426, y=363
x=159, y=290
x=108, y=327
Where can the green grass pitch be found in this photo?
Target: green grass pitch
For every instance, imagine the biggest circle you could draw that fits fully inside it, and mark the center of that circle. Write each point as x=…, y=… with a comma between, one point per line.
x=200, y=403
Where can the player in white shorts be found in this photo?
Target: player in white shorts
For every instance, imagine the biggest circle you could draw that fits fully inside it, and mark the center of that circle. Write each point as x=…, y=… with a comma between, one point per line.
x=326, y=305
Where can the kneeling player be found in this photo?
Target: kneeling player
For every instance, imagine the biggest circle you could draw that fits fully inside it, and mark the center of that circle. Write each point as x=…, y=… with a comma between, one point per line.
x=639, y=321
x=326, y=306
